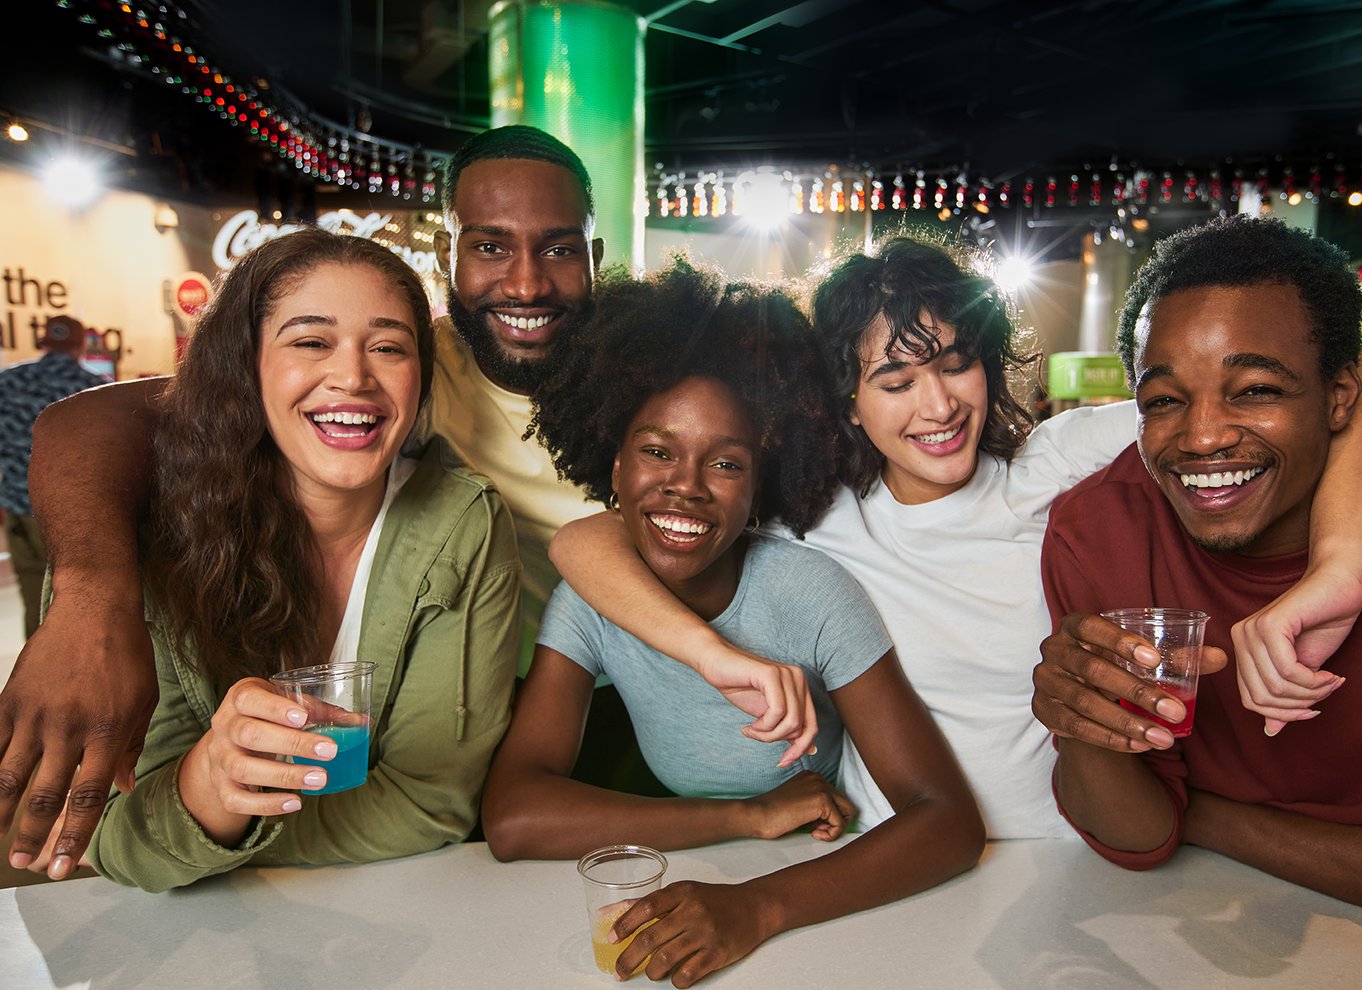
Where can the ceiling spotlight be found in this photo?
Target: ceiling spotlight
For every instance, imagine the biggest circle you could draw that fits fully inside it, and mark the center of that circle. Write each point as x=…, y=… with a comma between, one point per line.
x=17, y=132
x=762, y=198
x=1294, y=199
x=72, y=182
x=1355, y=199
x=1013, y=272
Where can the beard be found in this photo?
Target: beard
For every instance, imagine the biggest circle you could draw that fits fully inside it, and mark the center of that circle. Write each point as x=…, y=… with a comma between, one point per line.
x=516, y=374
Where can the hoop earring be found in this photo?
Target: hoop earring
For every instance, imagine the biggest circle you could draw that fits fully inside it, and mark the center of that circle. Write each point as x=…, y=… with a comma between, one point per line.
x=613, y=502
x=754, y=523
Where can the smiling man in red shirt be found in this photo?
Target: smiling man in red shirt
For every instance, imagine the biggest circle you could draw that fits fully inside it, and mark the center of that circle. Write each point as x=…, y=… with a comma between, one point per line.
x=1241, y=339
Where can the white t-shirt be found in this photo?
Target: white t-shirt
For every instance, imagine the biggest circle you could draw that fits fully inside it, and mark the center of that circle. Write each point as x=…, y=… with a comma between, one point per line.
x=346, y=647
x=957, y=582
x=484, y=423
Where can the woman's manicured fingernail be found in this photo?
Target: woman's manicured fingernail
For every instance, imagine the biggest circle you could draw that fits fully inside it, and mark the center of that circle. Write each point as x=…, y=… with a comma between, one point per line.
x=297, y=716
x=315, y=778
x=325, y=749
x=292, y=804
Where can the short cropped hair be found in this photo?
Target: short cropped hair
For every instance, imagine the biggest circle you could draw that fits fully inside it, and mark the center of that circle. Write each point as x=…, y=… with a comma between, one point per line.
x=1246, y=250
x=515, y=141
x=647, y=335
x=900, y=280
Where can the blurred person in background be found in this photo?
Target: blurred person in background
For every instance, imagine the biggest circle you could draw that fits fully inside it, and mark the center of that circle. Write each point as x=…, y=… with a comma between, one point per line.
x=26, y=390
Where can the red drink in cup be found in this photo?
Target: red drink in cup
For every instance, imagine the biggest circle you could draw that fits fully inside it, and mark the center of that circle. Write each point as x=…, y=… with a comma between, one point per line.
x=1178, y=729
x=1177, y=634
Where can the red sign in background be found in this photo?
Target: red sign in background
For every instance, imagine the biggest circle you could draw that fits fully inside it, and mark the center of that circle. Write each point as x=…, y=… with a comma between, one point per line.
x=192, y=293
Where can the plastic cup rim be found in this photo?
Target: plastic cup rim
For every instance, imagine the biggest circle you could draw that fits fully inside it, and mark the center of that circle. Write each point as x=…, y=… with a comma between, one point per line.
x=1165, y=616
x=605, y=853
x=323, y=673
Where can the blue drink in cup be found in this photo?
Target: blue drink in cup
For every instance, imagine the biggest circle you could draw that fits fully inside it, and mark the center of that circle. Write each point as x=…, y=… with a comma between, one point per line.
x=336, y=697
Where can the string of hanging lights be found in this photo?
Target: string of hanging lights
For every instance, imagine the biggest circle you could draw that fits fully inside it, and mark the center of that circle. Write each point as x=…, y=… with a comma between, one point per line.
x=835, y=189
x=153, y=37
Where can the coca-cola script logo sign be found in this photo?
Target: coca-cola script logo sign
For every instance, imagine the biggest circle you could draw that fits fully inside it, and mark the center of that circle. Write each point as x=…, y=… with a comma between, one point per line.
x=245, y=231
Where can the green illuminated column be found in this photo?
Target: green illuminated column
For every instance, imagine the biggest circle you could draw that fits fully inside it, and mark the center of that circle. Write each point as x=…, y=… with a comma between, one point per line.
x=575, y=69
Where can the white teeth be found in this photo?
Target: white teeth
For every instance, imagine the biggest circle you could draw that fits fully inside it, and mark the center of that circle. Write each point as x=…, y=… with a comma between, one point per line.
x=1219, y=479
x=524, y=322
x=674, y=524
x=941, y=437
x=347, y=418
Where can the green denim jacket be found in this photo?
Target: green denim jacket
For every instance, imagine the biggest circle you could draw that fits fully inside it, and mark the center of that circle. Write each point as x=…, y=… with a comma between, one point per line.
x=441, y=621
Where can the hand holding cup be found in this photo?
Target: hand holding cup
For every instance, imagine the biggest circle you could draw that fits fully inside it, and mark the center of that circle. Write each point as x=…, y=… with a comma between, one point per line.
x=1084, y=674
x=233, y=773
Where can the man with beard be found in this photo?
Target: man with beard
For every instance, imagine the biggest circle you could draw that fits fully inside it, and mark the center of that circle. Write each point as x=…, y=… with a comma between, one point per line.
x=521, y=262
x=1241, y=341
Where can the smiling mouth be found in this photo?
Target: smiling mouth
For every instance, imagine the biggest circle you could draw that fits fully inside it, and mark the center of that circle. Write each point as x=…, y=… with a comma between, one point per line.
x=940, y=437
x=679, y=529
x=1218, y=479
x=345, y=425
x=525, y=323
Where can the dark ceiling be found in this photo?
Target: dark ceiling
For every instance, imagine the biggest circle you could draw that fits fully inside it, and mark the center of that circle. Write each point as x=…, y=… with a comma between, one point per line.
x=1002, y=88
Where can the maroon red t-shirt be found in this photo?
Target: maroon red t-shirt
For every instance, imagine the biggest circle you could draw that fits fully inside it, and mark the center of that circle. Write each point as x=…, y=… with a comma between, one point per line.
x=1115, y=542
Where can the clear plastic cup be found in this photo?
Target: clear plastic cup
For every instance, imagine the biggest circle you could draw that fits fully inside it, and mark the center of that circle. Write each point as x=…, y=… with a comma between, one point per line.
x=615, y=877
x=1178, y=634
x=336, y=697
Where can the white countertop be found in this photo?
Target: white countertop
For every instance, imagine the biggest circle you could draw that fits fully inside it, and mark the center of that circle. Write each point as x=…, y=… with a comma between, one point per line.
x=1042, y=914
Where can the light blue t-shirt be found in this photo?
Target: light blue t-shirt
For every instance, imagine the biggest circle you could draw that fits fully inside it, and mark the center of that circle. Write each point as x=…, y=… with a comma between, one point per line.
x=793, y=604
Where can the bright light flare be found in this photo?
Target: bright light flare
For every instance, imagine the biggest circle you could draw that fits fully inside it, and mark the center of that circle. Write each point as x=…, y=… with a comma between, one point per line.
x=72, y=182
x=761, y=198
x=1014, y=273
x=17, y=132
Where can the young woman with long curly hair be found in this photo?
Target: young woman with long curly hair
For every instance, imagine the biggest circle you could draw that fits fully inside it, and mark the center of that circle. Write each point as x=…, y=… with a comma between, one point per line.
x=696, y=409
x=286, y=531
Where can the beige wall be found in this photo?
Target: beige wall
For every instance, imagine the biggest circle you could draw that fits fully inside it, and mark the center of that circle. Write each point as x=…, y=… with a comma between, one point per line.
x=108, y=261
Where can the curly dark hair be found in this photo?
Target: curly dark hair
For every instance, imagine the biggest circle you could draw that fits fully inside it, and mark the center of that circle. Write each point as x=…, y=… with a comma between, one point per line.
x=515, y=141
x=1246, y=250
x=904, y=277
x=687, y=320
x=232, y=559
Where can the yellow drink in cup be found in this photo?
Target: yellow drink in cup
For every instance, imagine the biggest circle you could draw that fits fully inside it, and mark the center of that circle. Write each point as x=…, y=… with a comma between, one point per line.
x=615, y=877
x=606, y=953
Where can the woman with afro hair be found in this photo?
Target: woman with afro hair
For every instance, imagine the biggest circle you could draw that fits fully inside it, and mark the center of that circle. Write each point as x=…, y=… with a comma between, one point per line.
x=694, y=409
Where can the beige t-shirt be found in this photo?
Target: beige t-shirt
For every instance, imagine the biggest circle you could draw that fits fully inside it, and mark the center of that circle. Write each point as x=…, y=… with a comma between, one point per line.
x=483, y=423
